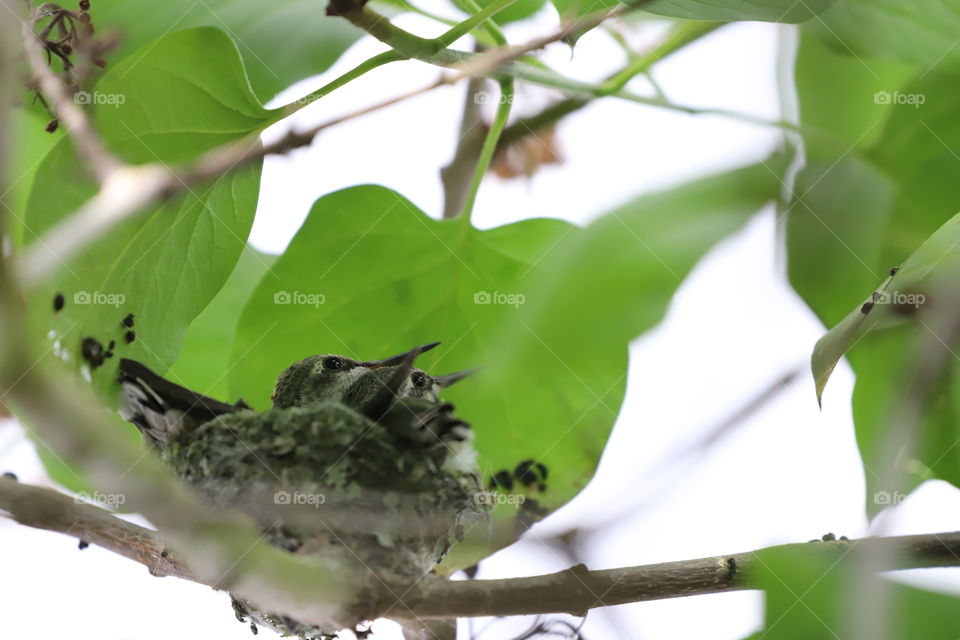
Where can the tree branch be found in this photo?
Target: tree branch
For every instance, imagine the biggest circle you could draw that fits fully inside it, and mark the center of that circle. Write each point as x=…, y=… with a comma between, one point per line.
x=47, y=509
x=88, y=143
x=575, y=590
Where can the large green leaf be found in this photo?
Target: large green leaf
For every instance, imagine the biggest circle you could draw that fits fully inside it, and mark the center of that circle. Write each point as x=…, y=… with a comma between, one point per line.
x=920, y=32
x=165, y=265
x=204, y=360
x=545, y=308
x=731, y=10
x=281, y=42
x=812, y=593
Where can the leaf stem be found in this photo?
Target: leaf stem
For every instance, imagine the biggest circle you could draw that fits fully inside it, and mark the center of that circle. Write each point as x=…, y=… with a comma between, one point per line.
x=489, y=147
x=481, y=15
x=365, y=66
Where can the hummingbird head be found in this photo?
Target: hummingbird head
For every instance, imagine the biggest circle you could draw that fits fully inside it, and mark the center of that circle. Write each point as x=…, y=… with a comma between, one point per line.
x=411, y=383
x=337, y=378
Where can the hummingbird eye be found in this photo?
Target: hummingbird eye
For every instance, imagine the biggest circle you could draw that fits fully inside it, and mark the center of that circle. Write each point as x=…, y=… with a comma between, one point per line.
x=419, y=379
x=332, y=362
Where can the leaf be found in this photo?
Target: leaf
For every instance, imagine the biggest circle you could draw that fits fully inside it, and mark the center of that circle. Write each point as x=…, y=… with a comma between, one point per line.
x=731, y=10
x=167, y=264
x=841, y=97
x=204, y=360
x=29, y=143
x=893, y=298
x=812, y=592
x=918, y=32
x=281, y=42
x=545, y=308
x=920, y=151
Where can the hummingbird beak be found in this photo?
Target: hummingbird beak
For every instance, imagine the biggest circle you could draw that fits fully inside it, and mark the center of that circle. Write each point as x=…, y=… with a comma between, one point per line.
x=400, y=358
x=445, y=381
x=381, y=403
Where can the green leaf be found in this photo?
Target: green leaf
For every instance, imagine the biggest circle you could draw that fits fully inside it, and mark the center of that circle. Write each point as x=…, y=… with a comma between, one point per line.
x=841, y=97
x=29, y=143
x=920, y=151
x=204, y=361
x=731, y=10
x=919, y=32
x=165, y=265
x=281, y=42
x=812, y=593
x=545, y=308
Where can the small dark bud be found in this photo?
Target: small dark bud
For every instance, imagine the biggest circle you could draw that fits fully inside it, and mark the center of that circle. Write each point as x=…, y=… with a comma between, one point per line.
x=865, y=309
x=83, y=544
x=129, y=336
x=10, y=475
x=58, y=302
x=893, y=270
x=127, y=321
x=112, y=344
x=164, y=553
x=66, y=49
x=84, y=5
x=52, y=125
x=100, y=62
x=829, y=537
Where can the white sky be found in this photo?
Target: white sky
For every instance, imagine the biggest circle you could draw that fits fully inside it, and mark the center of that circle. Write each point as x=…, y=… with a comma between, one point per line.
x=789, y=473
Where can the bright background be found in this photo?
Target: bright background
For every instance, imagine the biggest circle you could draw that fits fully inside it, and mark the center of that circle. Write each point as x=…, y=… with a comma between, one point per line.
x=789, y=472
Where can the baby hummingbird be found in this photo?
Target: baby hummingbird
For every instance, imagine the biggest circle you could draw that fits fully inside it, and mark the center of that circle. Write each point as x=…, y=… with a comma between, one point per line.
x=357, y=461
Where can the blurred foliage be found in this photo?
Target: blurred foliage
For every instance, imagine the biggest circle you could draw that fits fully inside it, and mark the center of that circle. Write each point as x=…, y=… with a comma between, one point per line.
x=815, y=592
x=876, y=90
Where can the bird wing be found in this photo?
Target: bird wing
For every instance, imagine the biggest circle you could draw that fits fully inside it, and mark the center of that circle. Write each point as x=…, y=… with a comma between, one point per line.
x=160, y=408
